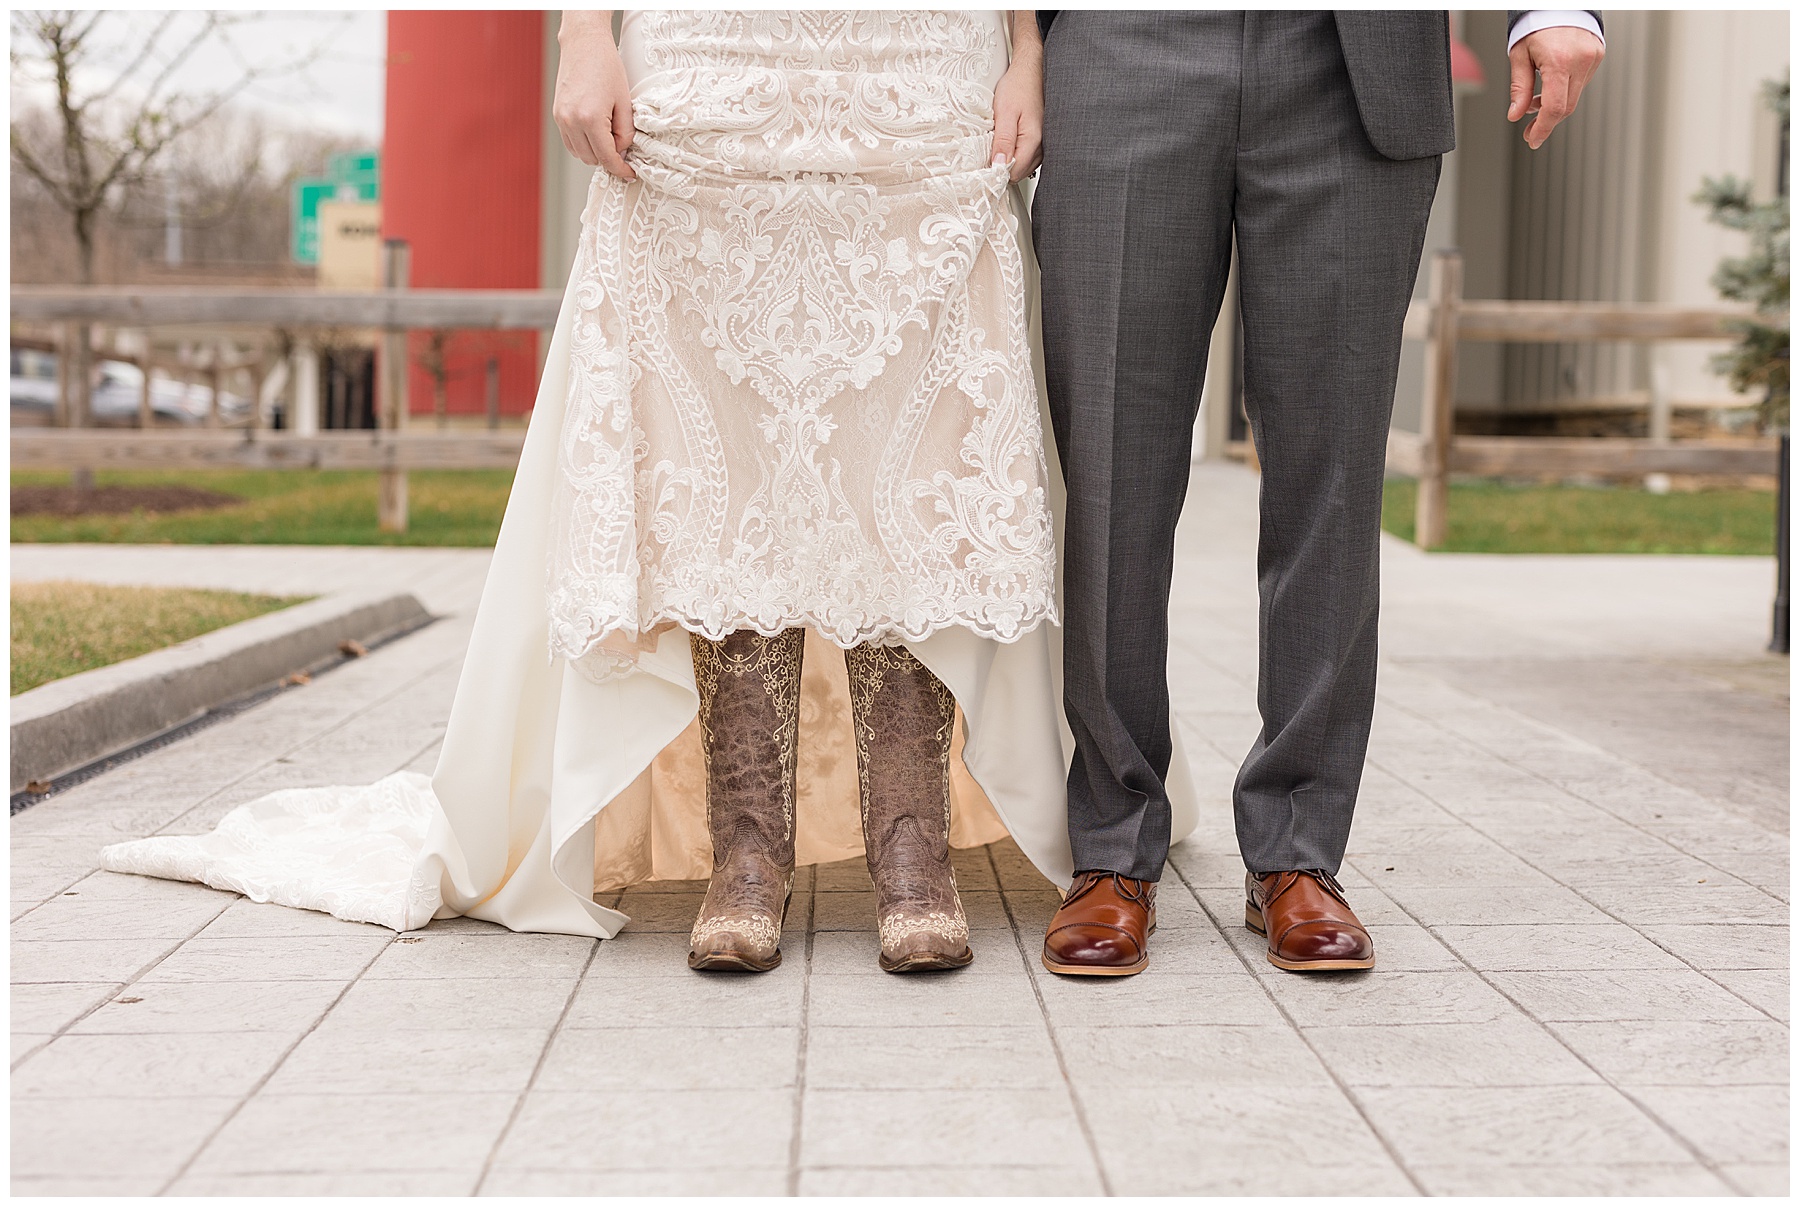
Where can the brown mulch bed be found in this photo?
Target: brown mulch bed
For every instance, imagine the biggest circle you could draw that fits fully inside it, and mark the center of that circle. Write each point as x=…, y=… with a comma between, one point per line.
x=115, y=500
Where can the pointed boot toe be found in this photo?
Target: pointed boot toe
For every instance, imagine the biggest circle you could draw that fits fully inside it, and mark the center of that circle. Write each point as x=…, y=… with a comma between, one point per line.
x=928, y=944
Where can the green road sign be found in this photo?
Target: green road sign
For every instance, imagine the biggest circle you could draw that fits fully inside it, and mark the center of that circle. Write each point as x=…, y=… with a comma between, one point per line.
x=361, y=168
x=352, y=176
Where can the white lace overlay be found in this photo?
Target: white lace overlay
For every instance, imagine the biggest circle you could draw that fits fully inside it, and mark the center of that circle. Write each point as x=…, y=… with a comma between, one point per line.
x=800, y=388
x=349, y=851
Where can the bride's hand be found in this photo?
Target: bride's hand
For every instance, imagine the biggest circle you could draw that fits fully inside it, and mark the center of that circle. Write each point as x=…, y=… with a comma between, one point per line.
x=1019, y=101
x=593, y=98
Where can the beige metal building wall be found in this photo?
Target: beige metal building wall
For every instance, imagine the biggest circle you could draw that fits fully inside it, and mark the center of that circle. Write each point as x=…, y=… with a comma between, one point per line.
x=1604, y=211
x=1713, y=123
x=1581, y=218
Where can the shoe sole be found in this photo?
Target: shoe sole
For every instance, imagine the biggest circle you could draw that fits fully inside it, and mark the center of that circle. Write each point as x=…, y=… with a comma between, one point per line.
x=725, y=961
x=1062, y=969
x=1095, y=969
x=921, y=961
x=1253, y=919
x=731, y=961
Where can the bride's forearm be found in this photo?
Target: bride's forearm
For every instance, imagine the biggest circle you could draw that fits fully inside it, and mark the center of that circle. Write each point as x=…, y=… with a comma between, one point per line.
x=584, y=23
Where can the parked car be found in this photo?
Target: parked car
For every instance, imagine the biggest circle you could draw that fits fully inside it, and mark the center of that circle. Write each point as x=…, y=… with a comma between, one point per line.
x=117, y=388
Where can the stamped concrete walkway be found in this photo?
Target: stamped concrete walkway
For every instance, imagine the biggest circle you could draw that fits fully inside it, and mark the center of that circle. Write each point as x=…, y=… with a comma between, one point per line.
x=1571, y=850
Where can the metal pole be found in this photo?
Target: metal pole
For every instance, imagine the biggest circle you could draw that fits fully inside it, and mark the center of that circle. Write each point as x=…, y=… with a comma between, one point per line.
x=1778, y=639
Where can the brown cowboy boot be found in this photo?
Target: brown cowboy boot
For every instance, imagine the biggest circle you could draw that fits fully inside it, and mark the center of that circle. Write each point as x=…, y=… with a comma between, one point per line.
x=1102, y=927
x=1309, y=925
x=749, y=689
x=904, y=718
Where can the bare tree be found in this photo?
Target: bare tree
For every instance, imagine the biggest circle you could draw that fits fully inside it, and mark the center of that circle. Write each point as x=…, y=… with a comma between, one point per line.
x=106, y=138
x=437, y=366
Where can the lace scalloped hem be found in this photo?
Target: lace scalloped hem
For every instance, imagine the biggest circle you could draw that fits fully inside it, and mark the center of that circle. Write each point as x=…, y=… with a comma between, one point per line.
x=891, y=632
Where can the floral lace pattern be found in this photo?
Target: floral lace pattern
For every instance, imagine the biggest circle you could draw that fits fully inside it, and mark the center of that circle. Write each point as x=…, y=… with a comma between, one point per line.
x=800, y=389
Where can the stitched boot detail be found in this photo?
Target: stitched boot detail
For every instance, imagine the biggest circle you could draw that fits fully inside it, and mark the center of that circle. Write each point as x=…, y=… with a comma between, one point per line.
x=749, y=688
x=904, y=718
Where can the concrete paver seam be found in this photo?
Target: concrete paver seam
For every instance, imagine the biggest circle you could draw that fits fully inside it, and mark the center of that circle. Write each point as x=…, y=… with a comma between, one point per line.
x=1343, y=1087
x=278, y=756
x=123, y=986
x=272, y=1070
x=93, y=871
x=141, y=972
x=487, y=1166
x=1062, y=1063
x=798, y=1127
x=1554, y=878
x=302, y=744
x=1594, y=751
x=1700, y=1156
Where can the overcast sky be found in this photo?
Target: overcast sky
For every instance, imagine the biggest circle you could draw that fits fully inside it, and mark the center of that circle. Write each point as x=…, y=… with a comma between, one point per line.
x=340, y=91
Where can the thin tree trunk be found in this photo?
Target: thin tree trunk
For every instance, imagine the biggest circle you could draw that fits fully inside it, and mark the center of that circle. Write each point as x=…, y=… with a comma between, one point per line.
x=81, y=359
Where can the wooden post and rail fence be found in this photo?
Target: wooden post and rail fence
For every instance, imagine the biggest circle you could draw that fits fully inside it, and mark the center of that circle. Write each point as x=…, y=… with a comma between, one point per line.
x=1442, y=320
x=389, y=448
x=1445, y=319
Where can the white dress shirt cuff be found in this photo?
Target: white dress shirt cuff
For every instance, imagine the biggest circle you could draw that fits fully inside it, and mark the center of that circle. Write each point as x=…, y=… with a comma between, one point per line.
x=1546, y=18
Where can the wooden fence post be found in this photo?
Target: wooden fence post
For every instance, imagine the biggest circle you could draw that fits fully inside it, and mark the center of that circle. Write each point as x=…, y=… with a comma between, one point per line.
x=1438, y=414
x=391, y=389
x=493, y=393
x=259, y=381
x=215, y=377
x=146, y=402
x=65, y=374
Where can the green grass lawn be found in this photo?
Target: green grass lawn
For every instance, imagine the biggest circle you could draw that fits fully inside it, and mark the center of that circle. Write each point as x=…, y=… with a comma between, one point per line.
x=1489, y=517
x=60, y=628
x=463, y=507
x=287, y=507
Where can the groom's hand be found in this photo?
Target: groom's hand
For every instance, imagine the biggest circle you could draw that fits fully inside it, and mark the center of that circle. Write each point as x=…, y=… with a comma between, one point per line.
x=1566, y=57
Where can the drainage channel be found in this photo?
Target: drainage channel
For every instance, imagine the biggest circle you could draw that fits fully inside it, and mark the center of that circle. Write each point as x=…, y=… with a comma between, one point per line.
x=206, y=720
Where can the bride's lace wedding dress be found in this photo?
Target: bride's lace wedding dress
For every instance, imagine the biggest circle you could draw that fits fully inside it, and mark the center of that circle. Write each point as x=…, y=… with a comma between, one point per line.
x=790, y=385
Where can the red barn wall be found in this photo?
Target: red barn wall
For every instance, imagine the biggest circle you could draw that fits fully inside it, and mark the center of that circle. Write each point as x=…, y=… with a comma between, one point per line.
x=460, y=178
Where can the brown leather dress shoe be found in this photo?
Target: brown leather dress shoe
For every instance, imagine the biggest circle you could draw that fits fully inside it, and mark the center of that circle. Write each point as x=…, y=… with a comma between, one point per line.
x=1102, y=926
x=1309, y=925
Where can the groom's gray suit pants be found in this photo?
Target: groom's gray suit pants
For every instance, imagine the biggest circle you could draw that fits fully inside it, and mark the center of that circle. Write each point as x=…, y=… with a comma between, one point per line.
x=1164, y=133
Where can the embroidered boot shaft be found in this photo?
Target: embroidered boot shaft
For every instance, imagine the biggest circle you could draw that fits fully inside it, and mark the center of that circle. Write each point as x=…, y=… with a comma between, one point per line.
x=904, y=718
x=749, y=689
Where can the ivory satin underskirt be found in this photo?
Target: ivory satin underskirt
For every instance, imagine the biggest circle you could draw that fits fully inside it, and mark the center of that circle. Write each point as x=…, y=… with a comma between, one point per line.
x=791, y=384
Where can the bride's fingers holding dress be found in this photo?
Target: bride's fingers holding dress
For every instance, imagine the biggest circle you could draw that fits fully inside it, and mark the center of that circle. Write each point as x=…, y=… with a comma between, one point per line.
x=1019, y=121
x=1019, y=101
x=592, y=108
x=1028, y=144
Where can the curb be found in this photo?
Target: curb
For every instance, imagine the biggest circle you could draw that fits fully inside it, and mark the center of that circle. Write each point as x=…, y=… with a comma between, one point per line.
x=67, y=724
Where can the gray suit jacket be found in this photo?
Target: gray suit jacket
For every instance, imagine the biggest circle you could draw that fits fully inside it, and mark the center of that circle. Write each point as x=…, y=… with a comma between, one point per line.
x=1399, y=64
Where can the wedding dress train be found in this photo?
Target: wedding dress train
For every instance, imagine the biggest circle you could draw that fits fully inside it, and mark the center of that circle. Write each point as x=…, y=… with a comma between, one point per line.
x=791, y=384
